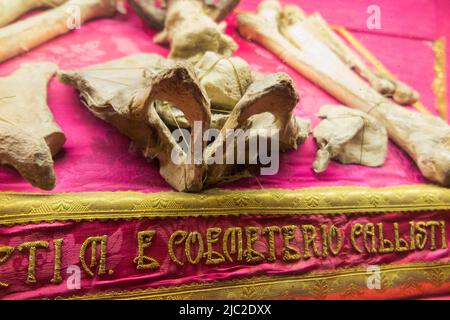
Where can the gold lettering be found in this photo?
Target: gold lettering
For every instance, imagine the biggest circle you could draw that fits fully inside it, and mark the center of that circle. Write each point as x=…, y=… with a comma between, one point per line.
x=421, y=236
x=325, y=240
x=236, y=234
x=290, y=253
x=357, y=230
x=443, y=236
x=386, y=245
x=93, y=242
x=337, y=234
x=5, y=254
x=433, y=225
x=32, y=247
x=251, y=255
x=412, y=237
x=144, y=262
x=212, y=236
x=173, y=241
x=57, y=244
x=401, y=245
x=369, y=230
x=193, y=238
x=270, y=231
x=309, y=240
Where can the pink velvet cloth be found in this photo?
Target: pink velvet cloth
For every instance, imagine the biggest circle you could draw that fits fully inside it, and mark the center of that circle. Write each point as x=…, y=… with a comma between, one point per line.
x=122, y=248
x=96, y=156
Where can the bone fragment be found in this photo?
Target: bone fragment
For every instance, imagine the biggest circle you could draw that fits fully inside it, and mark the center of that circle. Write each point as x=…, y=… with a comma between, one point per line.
x=27, y=34
x=425, y=138
x=29, y=135
x=154, y=12
x=271, y=99
x=224, y=79
x=123, y=92
x=349, y=136
x=317, y=26
x=191, y=32
x=10, y=10
x=139, y=94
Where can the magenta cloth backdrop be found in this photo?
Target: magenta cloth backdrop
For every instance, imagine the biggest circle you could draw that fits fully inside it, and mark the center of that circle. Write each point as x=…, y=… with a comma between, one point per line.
x=97, y=158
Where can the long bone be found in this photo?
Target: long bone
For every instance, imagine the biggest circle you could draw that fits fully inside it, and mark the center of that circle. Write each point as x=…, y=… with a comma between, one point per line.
x=191, y=32
x=29, y=136
x=425, y=138
x=10, y=10
x=154, y=12
x=123, y=92
x=27, y=34
x=315, y=24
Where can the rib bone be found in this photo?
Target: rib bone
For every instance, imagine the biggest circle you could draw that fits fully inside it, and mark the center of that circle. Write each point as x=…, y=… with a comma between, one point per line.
x=10, y=10
x=425, y=138
x=27, y=34
x=29, y=135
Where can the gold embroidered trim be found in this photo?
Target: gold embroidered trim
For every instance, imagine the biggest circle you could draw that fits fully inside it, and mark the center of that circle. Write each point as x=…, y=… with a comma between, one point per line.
x=23, y=208
x=346, y=284
x=440, y=83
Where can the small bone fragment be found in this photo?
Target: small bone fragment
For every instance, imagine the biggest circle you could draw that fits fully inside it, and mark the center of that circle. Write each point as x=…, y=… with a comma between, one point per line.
x=123, y=92
x=155, y=14
x=425, y=138
x=349, y=136
x=10, y=10
x=316, y=25
x=29, y=135
x=27, y=34
x=224, y=79
x=191, y=33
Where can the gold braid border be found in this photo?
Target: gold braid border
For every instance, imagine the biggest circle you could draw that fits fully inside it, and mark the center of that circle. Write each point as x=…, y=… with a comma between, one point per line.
x=343, y=284
x=440, y=83
x=24, y=208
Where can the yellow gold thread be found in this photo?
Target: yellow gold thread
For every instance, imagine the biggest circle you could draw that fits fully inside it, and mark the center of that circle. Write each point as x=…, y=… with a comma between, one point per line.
x=5, y=254
x=212, y=236
x=440, y=80
x=270, y=287
x=270, y=232
x=32, y=247
x=173, y=241
x=93, y=241
x=235, y=233
x=251, y=255
x=193, y=238
x=57, y=243
x=142, y=261
x=290, y=253
x=309, y=240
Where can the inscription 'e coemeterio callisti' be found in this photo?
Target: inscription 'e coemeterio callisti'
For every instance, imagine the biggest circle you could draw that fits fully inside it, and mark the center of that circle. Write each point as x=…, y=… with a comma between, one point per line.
x=241, y=245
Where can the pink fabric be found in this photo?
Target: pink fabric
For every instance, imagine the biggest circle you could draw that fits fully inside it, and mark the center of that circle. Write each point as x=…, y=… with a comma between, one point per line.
x=96, y=156
x=122, y=248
